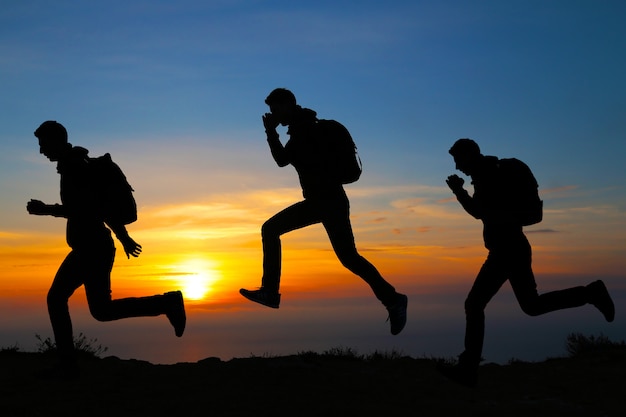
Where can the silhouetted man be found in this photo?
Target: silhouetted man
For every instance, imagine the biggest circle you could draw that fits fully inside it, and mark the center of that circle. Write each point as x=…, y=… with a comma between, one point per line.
x=90, y=260
x=509, y=255
x=325, y=202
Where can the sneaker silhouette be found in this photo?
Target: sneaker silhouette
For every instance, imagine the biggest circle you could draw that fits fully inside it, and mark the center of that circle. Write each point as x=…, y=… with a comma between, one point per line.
x=600, y=298
x=262, y=296
x=397, y=313
x=176, y=311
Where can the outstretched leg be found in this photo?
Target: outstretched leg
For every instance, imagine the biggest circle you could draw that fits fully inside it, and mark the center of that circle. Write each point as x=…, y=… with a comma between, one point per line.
x=525, y=289
x=341, y=237
x=336, y=221
x=297, y=216
x=533, y=304
x=103, y=308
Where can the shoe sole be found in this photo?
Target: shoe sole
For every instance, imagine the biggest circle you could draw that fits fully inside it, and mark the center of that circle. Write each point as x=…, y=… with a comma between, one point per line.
x=247, y=297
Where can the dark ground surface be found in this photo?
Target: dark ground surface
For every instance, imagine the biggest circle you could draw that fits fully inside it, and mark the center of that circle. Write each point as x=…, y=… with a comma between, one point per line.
x=312, y=385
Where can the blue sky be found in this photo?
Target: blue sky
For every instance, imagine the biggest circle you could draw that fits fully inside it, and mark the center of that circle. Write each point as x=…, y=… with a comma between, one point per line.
x=542, y=80
x=175, y=90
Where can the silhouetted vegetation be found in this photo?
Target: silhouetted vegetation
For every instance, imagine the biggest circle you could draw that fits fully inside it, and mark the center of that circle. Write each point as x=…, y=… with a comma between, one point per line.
x=348, y=353
x=84, y=347
x=336, y=382
x=10, y=349
x=578, y=345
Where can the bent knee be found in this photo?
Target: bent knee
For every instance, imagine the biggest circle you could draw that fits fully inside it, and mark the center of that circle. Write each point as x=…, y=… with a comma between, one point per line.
x=100, y=313
x=351, y=260
x=531, y=309
x=55, y=299
x=473, y=307
x=268, y=230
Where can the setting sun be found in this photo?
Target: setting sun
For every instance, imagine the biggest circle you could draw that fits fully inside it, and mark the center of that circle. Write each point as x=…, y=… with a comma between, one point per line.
x=197, y=276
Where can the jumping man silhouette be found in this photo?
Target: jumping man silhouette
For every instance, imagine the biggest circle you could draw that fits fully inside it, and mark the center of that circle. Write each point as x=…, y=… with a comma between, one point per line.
x=312, y=154
x=495, y=202
x=90, y=260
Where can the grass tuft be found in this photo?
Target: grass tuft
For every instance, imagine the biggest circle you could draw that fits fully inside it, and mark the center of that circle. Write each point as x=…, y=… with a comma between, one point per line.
x=84, y=347
x=578, y=345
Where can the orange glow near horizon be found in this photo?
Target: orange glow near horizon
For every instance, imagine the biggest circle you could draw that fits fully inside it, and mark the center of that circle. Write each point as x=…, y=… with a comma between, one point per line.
x=218, y=273
x=210, y=250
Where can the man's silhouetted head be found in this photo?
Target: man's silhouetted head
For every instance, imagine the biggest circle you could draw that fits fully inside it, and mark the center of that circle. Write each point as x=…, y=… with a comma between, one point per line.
x=464, y=146
x=51, y=130
x=466, y=154
x=281, y=96
x=282, y=105
x=52, y=140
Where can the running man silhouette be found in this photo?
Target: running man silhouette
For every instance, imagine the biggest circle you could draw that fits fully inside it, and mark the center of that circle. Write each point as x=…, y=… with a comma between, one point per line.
x=325, y=202
x=90, y=260
x=509, y=256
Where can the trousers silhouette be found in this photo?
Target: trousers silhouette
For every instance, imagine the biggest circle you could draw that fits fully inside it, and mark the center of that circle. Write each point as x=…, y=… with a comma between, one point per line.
x=511, y=261
x=91, y=267
x=334, y=215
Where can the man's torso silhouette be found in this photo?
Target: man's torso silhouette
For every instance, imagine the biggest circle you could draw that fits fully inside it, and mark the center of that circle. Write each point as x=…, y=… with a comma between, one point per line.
x=80, y=199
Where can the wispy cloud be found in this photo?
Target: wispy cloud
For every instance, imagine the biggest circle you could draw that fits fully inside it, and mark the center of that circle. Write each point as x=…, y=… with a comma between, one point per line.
x=541, y=231
x=422, y=229
x=559, y=190
x=10, y=235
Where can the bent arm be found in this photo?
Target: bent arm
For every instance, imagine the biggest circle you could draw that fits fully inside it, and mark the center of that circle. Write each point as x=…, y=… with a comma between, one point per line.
x=39, y=208
x=131, y=248
x=277, y=149
x=468, y=203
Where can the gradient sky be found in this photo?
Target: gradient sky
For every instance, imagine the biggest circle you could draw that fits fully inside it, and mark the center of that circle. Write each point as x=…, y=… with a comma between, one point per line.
x=175, y=92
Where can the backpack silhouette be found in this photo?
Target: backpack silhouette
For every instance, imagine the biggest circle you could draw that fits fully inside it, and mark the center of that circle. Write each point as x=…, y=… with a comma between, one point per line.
x=114, y=193
x=520, y=191
x=345, y=160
